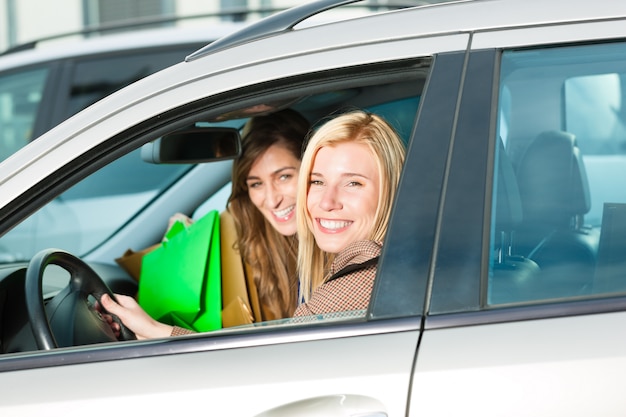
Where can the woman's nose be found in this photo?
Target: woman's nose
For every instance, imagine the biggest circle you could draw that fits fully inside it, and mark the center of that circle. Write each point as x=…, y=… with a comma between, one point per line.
x=273, y=196
x=330, y=199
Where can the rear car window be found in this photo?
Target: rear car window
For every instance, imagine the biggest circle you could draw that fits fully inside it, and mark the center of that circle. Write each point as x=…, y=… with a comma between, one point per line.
x=558, y=217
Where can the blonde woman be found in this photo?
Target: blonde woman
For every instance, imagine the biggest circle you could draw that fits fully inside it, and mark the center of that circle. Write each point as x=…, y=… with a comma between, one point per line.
x=348, y=179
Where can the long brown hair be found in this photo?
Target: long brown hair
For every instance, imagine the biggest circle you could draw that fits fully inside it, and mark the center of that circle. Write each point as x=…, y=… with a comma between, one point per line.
x=271, y=256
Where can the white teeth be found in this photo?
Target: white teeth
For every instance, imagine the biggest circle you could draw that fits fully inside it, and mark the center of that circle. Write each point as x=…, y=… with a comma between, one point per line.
x=284, y=212
x=334, y=224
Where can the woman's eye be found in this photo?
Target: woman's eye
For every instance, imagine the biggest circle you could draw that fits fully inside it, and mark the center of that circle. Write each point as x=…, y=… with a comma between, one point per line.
x=354, y=184
x=254, y=185
x=285, y=177
x=316, y=182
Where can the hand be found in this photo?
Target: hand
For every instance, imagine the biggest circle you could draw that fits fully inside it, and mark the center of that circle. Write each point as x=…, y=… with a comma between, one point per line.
x=179, y=217
x=133, y=317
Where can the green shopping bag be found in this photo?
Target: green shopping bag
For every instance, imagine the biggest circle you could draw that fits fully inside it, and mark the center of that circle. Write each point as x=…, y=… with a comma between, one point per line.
x=180, y=281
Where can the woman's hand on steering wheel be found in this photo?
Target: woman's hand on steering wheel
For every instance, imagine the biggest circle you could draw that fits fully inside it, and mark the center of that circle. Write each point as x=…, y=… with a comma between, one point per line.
x=132, y=316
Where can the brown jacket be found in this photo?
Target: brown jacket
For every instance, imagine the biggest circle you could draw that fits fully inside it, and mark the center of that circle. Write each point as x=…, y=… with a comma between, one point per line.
x=350, y=291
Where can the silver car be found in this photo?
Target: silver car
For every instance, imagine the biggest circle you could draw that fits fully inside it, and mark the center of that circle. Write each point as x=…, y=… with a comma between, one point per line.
x=502, y=282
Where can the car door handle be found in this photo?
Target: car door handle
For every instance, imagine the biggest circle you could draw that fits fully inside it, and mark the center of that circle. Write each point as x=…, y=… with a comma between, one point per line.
x=343, y=405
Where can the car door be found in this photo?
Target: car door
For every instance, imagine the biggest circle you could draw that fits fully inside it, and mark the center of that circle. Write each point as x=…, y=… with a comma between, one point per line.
x=527, y=305
x=354, y=366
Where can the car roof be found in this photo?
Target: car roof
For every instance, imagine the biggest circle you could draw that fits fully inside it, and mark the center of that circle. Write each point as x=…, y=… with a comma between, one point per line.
x=411, y=23
x=118, y=42
x=433, y=17
x=190, y=31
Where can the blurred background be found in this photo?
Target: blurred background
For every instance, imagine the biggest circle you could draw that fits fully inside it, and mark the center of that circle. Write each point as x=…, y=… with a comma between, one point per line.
x=23, y=21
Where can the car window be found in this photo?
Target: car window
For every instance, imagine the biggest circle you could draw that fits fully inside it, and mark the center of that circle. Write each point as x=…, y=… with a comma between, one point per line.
x=400, y=114
x=20, y=99
x=124, y=206
x=558, y=223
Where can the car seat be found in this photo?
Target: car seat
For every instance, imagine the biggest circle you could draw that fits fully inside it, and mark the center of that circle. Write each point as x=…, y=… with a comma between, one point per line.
x=554, y=193
x=514, y=277
x=610, y=274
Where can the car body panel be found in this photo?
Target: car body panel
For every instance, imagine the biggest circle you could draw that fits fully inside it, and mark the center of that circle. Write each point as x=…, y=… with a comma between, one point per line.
x=547, y=34
x=561, y=366
x=227, y=376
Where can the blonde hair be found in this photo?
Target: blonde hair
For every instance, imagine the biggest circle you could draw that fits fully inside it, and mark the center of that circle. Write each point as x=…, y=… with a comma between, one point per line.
x=271, y=256
x=388, y=150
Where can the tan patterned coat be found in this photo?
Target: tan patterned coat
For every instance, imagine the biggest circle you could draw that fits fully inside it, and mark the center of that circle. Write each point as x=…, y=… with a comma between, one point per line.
x=350, y=291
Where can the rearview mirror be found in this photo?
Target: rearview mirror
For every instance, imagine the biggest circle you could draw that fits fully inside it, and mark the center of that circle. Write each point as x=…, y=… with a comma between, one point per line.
x=193, y=145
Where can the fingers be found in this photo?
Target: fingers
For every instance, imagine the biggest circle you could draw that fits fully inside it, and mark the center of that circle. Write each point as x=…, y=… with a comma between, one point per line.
x=179, y=217
x=106, y=306
x=111, y=306
x=127, y=302
x=107, y=302
x=113, y=324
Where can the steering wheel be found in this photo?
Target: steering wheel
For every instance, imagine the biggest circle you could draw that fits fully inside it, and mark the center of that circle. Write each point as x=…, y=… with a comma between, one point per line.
x=70, y=318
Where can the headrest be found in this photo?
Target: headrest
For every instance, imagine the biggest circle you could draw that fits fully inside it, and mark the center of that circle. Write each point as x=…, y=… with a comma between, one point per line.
x=552, y=179
x=508, y=203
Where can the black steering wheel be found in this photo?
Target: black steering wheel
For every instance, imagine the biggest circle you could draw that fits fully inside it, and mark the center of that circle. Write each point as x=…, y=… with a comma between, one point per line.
x=70, y=318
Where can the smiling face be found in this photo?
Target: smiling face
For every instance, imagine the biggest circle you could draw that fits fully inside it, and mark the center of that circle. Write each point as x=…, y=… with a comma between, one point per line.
x=343, y=195
x=272, y=183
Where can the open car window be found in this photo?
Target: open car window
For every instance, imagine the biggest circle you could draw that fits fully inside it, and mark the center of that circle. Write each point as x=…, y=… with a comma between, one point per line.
x=125, y=205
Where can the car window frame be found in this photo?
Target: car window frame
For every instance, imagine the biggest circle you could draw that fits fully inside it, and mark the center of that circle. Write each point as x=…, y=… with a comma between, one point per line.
x=410, y=244
x=456, y=272
x=142, y=132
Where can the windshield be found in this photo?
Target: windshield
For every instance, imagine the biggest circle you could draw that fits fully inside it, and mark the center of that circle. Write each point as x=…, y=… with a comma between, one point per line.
x=87, y=214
